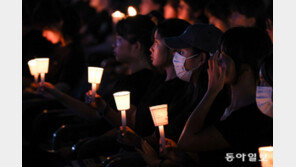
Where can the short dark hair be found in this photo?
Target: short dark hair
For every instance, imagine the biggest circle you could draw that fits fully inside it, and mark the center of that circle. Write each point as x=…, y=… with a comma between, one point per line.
x=55, y=14
x=246, y=46
x=171, y=28
x=138, y=28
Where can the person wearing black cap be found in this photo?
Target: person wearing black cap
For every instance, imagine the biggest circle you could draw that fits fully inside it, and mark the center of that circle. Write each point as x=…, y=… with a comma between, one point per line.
x=193, y=49
x=243, y=127
x=196, y=44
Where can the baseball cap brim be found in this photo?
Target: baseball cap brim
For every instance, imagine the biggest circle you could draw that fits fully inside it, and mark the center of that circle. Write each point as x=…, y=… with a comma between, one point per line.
x=176, y=43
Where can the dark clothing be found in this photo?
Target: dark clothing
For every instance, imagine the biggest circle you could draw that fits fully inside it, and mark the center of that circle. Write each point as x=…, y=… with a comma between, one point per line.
x=67, y=65
x=137, y=83
x=221, y=102
x=245, y=130
x=174, y=94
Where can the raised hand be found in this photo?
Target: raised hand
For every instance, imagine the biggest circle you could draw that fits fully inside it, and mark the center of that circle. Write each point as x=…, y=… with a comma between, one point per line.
x=216, y=74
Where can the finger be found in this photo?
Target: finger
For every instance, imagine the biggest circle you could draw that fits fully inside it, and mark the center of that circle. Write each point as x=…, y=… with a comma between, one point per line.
x=209, y=64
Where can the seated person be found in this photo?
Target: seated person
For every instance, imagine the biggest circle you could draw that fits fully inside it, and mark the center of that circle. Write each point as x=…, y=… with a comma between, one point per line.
x=264, y=92
x=190, y=67
x=236, y=63
x=132, y=48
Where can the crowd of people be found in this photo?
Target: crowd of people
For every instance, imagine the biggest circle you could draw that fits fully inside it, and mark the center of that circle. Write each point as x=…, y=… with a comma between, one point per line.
x=210, y=61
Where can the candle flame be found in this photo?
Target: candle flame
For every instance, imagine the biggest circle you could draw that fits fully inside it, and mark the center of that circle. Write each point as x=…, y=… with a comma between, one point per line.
x=131, y=11
x=118, y=14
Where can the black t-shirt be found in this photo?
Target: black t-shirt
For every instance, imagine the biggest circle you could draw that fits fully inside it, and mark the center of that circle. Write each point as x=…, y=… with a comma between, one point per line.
x=137, y=83
x=245, y=130
x=175, y=93
x=221, y=102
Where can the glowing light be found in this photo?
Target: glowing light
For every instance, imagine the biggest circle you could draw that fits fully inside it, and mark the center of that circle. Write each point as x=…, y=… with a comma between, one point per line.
x=117, y=16
x=42, y=68
x=95, y=74
x=159, y=114
x=122, y=100
x=33, y=67
x=42, y=65
x=160, y=118
x=131, y=11
x=94, y=77
x=266, y=156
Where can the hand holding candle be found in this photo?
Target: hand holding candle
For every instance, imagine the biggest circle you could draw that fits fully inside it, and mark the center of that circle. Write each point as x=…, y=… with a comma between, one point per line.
x=266, y=156
x=160, y=118
x=122, y=100
x=33, y=69
x=42, y=66
x=94, y=77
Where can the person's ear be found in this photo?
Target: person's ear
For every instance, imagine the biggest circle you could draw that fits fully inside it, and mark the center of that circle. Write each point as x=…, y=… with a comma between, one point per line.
x=136, y=47
x=202, y=58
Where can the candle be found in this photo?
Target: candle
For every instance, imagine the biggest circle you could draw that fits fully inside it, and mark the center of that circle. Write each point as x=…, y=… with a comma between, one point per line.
x=94, y=77
x=162, y=136
x=117, y=16
x=160, y=118
x=131, y=11
x=266, y=156
x=122, y=100
x=33, y=69
x=42, y=66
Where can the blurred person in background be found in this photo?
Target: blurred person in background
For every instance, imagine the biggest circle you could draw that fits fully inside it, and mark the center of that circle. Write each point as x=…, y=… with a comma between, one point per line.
x=170, y=10
x=133, y=41
x=218, y=12
x=192, y=11
x=147, y=6
x=248, y=13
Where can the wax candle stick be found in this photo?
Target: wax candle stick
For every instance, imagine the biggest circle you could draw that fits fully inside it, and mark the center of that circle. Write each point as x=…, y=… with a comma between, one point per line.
x=160, y=118
x=93, y=90
x=42, y=66
x=94, y=77
x=122, y=100
x=123, y=119
x=42, y=77
x=34, y=70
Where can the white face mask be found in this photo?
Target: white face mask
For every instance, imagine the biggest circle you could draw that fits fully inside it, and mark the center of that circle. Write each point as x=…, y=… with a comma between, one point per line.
x=179, y=62
x=264, y=100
